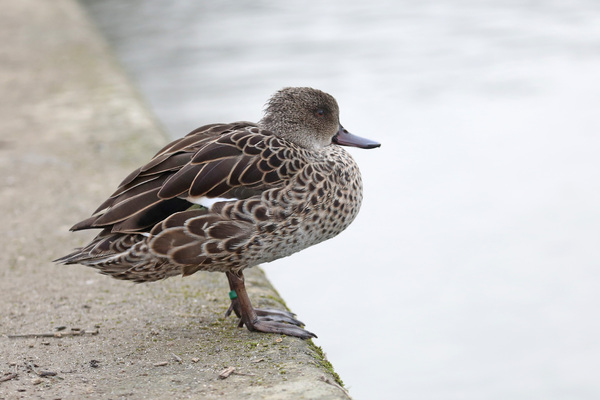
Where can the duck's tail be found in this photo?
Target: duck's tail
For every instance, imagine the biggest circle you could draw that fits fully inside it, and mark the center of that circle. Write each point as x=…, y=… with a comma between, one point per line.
x=122, y=256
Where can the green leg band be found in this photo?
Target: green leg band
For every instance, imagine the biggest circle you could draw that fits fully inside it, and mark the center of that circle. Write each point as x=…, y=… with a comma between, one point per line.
x=232, y=295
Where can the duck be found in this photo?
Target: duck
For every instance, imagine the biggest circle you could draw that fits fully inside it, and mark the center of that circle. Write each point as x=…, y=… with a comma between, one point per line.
x=229, y=196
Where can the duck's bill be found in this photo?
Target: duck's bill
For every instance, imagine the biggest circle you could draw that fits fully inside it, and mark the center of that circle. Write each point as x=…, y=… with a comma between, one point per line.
x=345, y=138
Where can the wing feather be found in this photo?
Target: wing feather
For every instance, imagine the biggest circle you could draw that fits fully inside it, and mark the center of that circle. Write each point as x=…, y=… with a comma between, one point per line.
x=180, y=182
x=213, y=173
x=217, y=160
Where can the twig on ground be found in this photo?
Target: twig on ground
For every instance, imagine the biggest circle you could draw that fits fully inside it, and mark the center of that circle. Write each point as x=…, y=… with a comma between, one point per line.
x=54, y=334
x=232, y=371
x=332, y=383
x=177, y=358
x=243, y=373
x=226, y=372
x=41, y=374
x=8, y=377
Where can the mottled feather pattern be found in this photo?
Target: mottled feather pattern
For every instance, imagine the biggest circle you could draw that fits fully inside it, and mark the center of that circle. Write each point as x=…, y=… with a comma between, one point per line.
x=279, y=197
x=314, y=203
x=215, y=161
x=262, y=228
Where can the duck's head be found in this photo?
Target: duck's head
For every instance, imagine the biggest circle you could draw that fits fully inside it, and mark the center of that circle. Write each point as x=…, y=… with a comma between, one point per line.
x=309, y=118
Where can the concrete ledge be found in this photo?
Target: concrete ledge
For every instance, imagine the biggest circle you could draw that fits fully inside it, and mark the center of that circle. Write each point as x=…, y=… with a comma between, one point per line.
x=71, y=127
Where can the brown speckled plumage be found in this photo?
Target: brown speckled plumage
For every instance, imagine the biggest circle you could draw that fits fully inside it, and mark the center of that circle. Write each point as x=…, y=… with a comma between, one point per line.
x=280, y=186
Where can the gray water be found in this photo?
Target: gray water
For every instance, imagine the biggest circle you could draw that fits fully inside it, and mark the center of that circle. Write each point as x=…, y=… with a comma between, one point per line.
x=472, y=271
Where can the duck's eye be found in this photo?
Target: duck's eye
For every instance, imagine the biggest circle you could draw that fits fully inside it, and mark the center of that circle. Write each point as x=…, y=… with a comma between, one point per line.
x=320, y=112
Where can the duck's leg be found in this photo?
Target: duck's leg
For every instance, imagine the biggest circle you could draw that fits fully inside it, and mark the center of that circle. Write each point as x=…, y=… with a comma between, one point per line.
x=262, y=320
x=268, y=313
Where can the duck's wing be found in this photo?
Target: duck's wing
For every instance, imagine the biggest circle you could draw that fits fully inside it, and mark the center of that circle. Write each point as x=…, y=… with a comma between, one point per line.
x=215, y=161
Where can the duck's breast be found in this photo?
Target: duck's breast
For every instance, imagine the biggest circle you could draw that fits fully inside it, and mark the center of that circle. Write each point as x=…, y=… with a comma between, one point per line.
x=317, y=204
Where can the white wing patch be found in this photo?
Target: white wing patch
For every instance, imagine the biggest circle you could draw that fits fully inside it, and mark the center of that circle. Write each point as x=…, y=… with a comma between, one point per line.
x=208, y=202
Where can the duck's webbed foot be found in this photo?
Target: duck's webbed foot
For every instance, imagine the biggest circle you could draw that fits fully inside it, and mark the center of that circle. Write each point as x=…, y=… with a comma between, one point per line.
x=262, y=325
x=269, y=314
x=262, y=320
